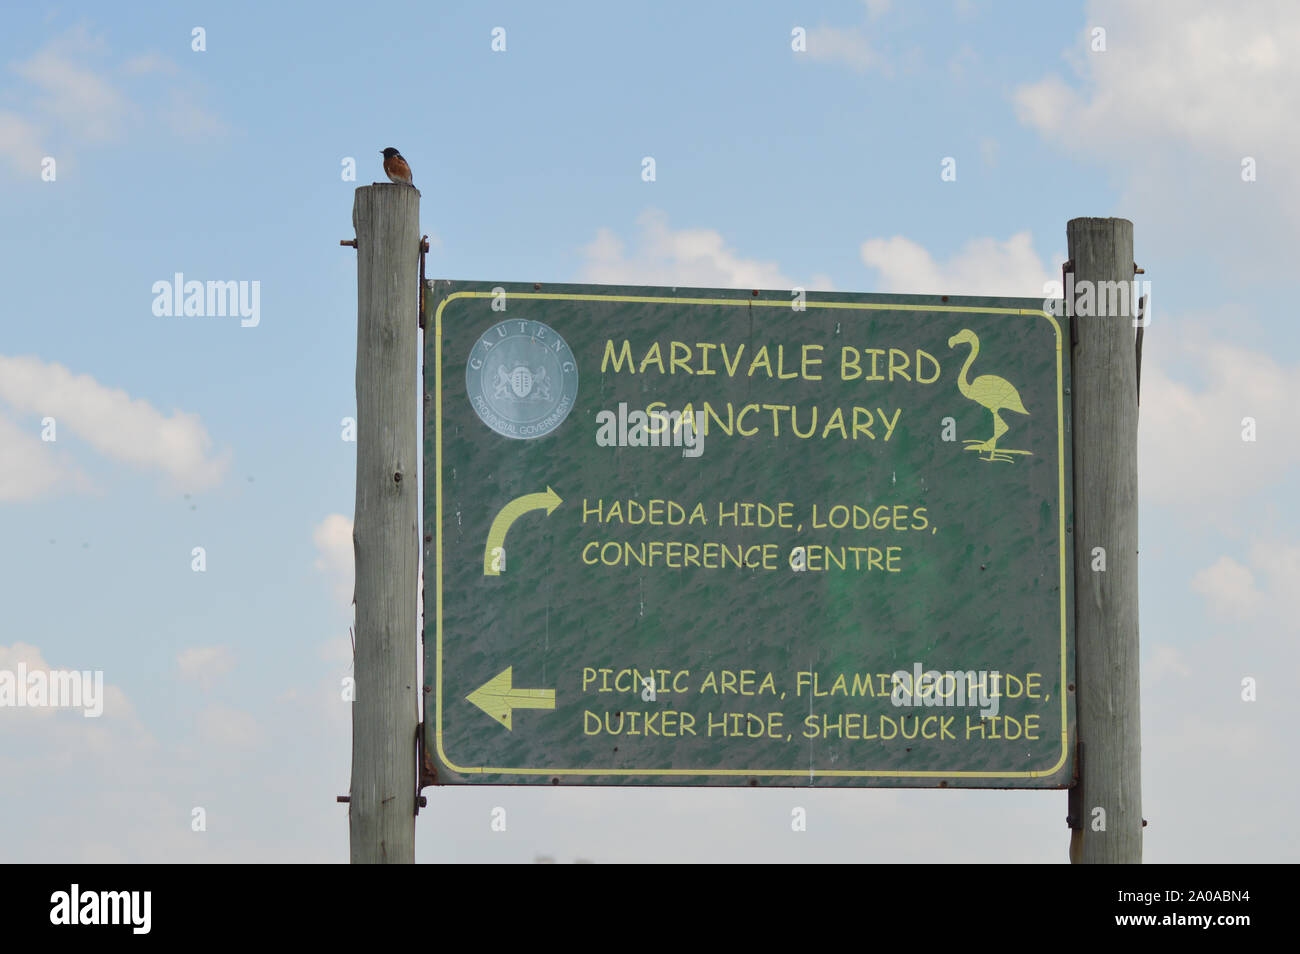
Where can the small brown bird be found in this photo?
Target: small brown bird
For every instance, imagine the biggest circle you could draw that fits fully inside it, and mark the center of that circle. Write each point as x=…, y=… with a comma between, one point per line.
x=396, y=168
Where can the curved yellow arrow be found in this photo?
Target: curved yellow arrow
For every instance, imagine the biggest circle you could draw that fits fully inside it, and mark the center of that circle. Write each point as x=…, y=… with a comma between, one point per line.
x=496, y=538
x=499, y=698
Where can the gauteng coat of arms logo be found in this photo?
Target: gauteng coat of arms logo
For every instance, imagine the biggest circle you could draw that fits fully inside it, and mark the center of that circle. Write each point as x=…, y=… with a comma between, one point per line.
x=521, y=378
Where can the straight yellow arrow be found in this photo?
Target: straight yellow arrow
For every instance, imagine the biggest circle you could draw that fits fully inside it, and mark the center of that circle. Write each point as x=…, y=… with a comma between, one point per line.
x=494, y=552
x=499, y=698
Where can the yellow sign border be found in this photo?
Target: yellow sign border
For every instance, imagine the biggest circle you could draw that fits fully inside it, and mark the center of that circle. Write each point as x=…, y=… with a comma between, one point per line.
x=749, y=303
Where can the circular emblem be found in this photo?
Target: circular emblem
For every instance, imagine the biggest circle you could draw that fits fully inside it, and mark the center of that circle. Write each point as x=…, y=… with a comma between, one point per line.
x=521, y=378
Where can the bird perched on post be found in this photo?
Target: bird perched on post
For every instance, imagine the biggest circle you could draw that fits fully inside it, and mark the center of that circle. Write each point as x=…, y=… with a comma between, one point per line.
x=396, y=168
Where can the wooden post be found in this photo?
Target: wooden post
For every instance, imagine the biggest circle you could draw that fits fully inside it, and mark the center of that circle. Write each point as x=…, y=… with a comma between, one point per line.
x=385, y=531
x=1104, y=400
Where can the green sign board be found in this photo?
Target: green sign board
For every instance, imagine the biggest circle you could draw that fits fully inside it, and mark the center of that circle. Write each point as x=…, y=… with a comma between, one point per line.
x=699, y=536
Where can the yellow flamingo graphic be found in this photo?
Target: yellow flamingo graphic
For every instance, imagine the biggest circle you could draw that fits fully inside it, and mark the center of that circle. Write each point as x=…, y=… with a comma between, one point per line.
x=996, y=394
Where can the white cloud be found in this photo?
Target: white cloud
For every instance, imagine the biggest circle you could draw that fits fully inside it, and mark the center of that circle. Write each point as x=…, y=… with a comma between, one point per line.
x=1279, y=563
x=28, y=656
x=146, y=63
x=963, y=63
x=1190, y=447
x=225, y=727
x=31, y=467
x=333, y=539
x=109, y=420
x=847, y=46
x=1200, y=716
x=989, y=150
x=850, y=46
x=682, y=257
x=1189, y=71
x=71, y=96
x=66, y=89
x=20, y=144
x=205, y=664
x=235, y=764
x=190, y=121
x=1046, y=104
x=1257, y=598
x=1186, y=91
x=1228, y=587
x=1164, y=661
x=984, y=266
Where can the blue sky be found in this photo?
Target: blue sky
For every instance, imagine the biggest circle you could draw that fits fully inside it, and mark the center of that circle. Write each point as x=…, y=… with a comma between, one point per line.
x=773, y=167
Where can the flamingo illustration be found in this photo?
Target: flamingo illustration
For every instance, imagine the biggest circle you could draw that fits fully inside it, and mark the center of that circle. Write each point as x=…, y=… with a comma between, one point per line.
x=996, y=394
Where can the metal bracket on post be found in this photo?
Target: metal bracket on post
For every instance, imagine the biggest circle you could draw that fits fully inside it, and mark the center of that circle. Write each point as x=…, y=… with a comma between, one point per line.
x=1142, y=325
x=1068, y=267
x=1074, y=808
x=426, y=773
x=1074, y=811
x=424, y=249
